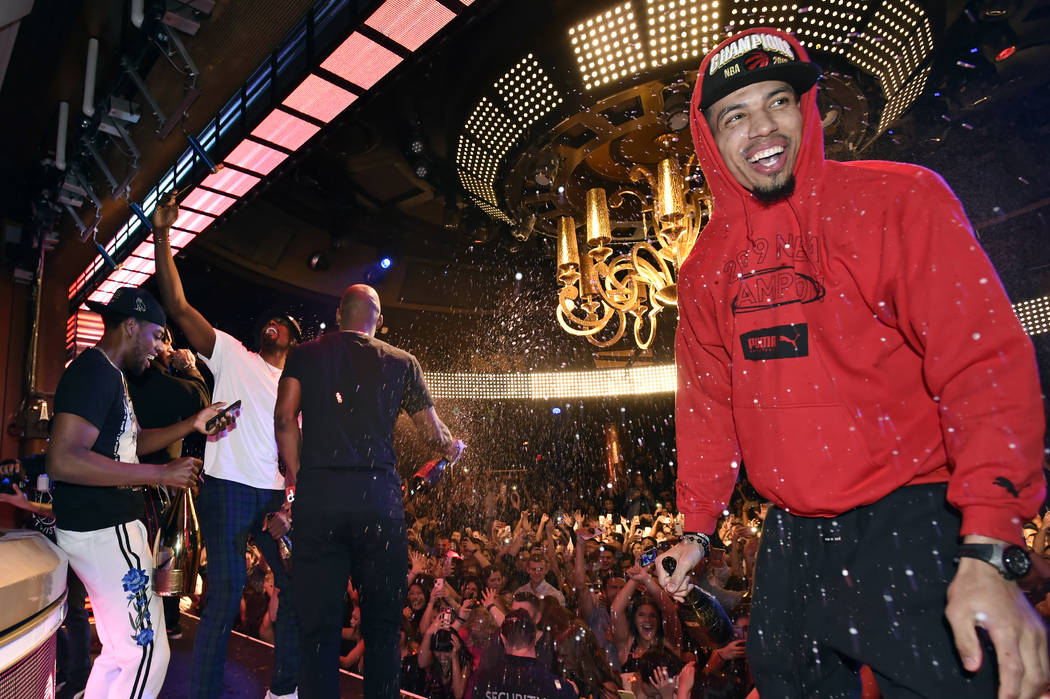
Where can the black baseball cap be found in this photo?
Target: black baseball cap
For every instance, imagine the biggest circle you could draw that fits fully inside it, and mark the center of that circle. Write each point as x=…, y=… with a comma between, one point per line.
x=751, y=57
x=131, y=302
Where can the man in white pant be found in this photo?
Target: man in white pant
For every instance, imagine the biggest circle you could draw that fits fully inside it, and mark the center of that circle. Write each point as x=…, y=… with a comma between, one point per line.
x=98, y=498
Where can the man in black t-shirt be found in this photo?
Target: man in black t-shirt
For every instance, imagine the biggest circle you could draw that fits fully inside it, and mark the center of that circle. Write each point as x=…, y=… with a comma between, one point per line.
x=98, y=501
x=519, y=673
x=349, y=520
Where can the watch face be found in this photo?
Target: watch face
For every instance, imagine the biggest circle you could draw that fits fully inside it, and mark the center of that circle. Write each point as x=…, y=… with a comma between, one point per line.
x=1016, y=561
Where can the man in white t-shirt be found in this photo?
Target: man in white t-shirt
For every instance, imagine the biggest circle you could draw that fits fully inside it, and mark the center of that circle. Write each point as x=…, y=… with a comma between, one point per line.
x=537, y=585
x=242, y=485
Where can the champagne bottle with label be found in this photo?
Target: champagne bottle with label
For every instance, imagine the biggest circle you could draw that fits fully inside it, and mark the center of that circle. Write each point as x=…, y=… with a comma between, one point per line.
x=177, y=548
x=431, y=472
x=701, y=615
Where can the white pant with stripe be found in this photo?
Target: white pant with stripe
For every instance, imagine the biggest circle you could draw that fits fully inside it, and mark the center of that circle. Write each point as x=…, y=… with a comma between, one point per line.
x=101, y=558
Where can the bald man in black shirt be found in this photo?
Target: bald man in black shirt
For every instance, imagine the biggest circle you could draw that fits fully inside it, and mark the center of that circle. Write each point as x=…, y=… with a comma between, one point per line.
x=350, y=388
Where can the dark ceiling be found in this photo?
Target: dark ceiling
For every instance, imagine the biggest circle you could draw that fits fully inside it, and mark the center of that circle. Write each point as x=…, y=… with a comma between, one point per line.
x=354, y=194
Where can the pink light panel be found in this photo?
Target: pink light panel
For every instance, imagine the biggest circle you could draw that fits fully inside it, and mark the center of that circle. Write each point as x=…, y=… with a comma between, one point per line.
x=319, y=98
x=127, y=277
x=144, y=265
x=255, y=157
x=189, y=221
x=180, y=239
x=410, y=22
x=361, y=61
x=208, y=202
x=233, y=182
x=285, y=130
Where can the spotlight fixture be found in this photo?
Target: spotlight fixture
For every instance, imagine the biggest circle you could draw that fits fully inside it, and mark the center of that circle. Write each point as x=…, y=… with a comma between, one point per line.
x=318, y=261
x=676, y=106
x=386, y=262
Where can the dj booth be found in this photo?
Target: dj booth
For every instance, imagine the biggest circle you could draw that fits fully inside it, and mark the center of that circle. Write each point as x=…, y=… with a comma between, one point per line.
x=32, y=607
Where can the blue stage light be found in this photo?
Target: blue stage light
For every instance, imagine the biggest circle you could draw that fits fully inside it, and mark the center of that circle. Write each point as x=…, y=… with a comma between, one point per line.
x=385, y=263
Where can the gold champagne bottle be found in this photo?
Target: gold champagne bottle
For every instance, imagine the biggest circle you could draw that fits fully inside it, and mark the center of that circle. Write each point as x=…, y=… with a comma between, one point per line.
x=177, y=548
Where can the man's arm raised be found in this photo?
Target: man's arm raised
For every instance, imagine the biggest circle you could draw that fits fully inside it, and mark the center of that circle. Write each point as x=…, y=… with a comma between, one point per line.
x=198, y=330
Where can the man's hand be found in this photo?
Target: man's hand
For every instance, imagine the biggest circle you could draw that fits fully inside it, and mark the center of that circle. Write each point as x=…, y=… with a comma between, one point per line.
x=182, y=472
x=200, y=420
x=733, y=650
x=278, y=524
x=980, y=597
x=183, y=359
x=166, y=213
x=18, y=498
x=686, y=555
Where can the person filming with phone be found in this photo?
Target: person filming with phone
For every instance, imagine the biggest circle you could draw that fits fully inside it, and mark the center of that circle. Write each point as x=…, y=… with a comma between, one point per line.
x=242, y=483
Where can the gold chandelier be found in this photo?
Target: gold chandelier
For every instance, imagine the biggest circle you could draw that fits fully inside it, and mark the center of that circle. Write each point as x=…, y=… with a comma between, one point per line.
x=598, y=293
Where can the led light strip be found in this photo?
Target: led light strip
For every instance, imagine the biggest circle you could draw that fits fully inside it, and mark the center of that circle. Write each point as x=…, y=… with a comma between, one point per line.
x=313, y=103
x=562, y=384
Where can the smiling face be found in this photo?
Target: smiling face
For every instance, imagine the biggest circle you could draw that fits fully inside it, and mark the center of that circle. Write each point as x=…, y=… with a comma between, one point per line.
x=758, y=131
x=417, y=599
x=537, y=569
x=647, y=621
x=147, y=341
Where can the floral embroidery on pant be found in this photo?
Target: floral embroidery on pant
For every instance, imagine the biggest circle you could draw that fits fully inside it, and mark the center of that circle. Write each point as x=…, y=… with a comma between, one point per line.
x=136, y=584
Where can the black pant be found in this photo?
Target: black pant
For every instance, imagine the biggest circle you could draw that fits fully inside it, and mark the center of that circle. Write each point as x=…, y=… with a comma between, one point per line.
x=349, y=524
x=866, y=587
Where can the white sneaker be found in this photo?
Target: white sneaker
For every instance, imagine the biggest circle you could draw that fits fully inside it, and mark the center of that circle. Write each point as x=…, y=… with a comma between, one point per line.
x=293, y=695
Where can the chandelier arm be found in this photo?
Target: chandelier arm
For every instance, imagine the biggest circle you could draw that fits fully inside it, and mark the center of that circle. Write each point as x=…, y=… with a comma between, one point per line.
x=639, y=323
x=616, y=338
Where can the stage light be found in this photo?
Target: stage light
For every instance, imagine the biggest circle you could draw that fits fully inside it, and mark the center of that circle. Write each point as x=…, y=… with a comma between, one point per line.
x=323, y=326
x=385, y=263
x=517, y=276
x=1005, y=53
x=318, y=261
x=556, y=410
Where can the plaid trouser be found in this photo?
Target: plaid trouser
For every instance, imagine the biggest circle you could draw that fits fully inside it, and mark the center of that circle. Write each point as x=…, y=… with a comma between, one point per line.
x=229, y=512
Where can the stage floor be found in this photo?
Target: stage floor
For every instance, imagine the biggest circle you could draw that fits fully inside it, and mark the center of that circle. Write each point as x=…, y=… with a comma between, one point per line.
x=249, y=664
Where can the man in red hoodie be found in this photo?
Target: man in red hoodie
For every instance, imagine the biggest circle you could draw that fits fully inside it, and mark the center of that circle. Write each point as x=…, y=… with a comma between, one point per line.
x=843, y=335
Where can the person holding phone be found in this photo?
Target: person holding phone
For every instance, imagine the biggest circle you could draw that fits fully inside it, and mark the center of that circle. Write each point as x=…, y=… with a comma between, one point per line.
x=350, y=388
x=98, y=500
x=242, y=483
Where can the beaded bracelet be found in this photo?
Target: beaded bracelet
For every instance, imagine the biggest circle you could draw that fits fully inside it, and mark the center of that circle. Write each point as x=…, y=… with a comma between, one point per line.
x=702, y=540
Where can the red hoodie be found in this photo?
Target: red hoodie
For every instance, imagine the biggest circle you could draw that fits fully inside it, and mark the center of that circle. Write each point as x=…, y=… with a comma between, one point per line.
x=847, y=341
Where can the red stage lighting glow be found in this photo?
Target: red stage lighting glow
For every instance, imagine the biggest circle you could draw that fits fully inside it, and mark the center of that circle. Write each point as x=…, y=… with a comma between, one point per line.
x=208, y=202
x=189, y=221
x=361, y=61
x=256, y=157
x=285, y=130
x=1006, y=53
x=233, y=182
x=410, y=22
x=319, y=98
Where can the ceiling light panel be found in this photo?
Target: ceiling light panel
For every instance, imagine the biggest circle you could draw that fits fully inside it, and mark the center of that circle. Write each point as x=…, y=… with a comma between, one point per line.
x=285, y=130
x=903, y=98
x=527, y=91
x=361, y=61
x=1034, y=315
x=260, y=159
x=319, y=98
x=232, y=182
x=608, y=46
x=745, y=14
x=487, y=136
x=208, y=202
x=193, y=222
x=410, y=22
x=898, y=40
x=830, y=26
x=681, y=30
